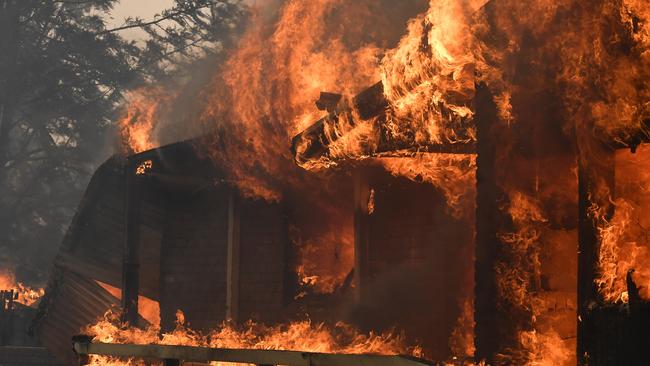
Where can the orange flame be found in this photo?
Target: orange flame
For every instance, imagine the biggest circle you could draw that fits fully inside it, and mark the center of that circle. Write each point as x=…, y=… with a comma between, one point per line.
x=454, y=175
x=300, y=335
x=138, y=125
x=429, y=78
x=26, y=295
x=322, y=270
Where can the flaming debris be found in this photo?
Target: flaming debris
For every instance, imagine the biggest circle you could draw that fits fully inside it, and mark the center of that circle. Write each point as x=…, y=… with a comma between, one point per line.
x=25, y=295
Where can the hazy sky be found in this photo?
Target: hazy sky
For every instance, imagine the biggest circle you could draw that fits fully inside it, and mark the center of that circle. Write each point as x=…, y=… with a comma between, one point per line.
x=144, y=9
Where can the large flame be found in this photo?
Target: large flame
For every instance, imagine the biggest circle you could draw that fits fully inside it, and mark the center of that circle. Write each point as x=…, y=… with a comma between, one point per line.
x=429, y=78
x=268, y=87
x=594, y=56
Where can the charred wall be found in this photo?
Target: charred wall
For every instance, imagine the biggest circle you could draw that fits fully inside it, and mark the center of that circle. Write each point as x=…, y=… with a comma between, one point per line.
x=263, y=261
x=222, y=257
x=193, y=259
x=416, y=258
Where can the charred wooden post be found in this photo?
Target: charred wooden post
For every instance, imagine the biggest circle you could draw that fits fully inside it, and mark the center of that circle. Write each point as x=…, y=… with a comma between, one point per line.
x=6, y=315
x=232, y=274
x=361, y=233
x=131, y=256
x=491, y=322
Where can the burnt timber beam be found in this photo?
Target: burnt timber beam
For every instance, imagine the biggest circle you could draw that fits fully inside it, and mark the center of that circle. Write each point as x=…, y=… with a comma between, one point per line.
x=361, y=234
x=313, y=143
x=233, y=262
x=83, y=347
x=490, y=320
x=131, y=255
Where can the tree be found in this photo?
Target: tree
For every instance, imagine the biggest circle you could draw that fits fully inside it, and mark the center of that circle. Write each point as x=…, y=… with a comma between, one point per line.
x=63, y=75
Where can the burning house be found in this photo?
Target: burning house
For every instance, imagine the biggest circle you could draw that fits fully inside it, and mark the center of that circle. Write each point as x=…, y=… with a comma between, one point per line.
x=486, y=198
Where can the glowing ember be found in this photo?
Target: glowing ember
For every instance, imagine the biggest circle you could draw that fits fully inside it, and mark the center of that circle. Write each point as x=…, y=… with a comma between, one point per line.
x=144, y=167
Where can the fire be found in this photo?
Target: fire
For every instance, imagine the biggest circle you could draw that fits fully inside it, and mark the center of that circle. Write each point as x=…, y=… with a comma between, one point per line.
x=25, y=295
x=316, y=262
x=461, y=341
x=299, y=335
x=545, y=349
x=429, y=78
x=454, y=175
x=625, y=239
x=267, y=89
x=138, y=125
x=596, y=58
x=518, y=285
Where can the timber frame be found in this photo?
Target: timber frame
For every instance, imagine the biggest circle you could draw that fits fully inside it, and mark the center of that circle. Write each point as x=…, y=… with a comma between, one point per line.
x=173, y=355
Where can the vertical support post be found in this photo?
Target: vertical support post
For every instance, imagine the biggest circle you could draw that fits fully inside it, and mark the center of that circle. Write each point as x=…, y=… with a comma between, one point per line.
x=361, y=233
x=6, y=315
x=232, y=268
x=131, y=256
x=486, y=312
x=596, y=184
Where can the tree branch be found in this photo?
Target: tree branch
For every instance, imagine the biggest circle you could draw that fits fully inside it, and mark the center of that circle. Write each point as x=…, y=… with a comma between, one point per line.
x=168, y=16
